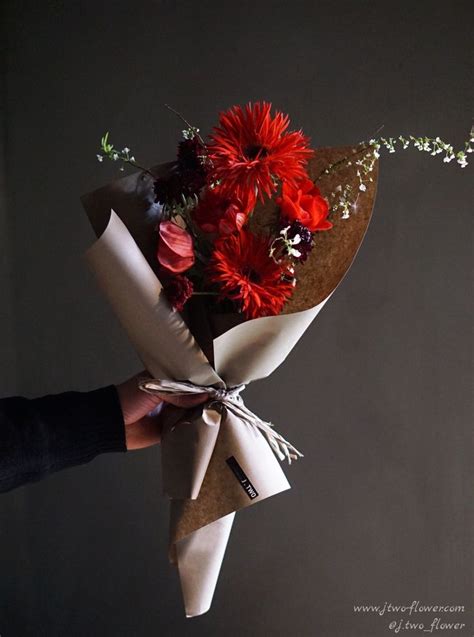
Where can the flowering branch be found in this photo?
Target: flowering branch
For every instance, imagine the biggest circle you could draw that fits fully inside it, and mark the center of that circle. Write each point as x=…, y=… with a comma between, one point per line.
x=110, y=152
x=343, y=198
x=191, y=130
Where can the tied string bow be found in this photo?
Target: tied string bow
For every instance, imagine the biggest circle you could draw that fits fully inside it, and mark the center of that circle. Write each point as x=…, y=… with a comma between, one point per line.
x=230, y=399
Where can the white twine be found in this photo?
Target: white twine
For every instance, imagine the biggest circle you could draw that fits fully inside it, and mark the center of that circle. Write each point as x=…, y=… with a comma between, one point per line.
x=230, y=399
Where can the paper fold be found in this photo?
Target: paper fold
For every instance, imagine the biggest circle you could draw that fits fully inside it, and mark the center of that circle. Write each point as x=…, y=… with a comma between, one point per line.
x=199, y=558
x=160, y=336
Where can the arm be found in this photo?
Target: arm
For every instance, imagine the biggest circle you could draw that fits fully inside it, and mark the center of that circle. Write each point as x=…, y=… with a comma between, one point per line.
x=44, y=435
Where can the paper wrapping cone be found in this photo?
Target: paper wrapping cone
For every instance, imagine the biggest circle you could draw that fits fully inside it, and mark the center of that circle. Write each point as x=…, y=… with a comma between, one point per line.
x=213, y=464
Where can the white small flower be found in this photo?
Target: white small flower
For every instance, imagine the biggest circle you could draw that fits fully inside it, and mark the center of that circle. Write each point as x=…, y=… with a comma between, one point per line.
x=115, y=156
x=294, y=252
x=100, y=158
x=132, y=158
x=363, y=187
x=296, y=239
x=126, y=150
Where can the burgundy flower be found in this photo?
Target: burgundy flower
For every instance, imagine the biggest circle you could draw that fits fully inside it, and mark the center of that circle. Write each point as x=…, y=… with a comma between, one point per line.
x=168, y=189
x=188, y=176
x=178, y=290
x=297, y=229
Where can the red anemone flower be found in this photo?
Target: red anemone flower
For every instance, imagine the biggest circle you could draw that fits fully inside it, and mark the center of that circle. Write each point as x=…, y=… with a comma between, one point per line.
x=250, y=149
x=219, y=213
x=245, y=273
x=304, y=203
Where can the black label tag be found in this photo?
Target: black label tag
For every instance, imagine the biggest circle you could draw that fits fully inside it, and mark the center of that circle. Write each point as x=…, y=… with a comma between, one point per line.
x=247, y=486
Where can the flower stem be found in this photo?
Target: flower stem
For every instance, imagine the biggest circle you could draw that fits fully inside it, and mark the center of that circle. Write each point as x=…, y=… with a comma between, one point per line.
x=332, y=167
x=173, y=110
x=135, y=165
x=205, y=293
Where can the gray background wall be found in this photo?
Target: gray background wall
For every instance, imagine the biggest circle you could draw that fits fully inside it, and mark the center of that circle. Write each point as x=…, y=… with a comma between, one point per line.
x=380, y=505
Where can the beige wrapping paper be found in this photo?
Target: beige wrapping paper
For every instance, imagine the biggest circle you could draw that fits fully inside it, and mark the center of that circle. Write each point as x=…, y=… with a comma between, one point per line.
x=213, y=463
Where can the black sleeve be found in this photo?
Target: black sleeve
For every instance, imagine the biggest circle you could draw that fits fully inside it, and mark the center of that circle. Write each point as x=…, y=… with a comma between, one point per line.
x=42, y=435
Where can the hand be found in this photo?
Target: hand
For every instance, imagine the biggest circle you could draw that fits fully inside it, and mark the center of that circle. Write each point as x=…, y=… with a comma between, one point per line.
x=141, y=412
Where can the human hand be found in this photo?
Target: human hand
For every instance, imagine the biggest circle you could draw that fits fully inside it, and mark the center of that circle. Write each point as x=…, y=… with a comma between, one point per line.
x=141, y=412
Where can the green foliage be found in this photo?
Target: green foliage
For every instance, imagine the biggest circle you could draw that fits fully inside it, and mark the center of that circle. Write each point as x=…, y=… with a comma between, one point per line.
x=108, y=151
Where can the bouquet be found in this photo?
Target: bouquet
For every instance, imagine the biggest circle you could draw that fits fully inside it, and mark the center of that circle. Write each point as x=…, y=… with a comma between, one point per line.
x=215, y=264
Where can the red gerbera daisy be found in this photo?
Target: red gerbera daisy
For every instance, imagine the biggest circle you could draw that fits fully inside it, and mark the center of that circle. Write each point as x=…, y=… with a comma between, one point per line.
x=250, y=149
x=244, y=271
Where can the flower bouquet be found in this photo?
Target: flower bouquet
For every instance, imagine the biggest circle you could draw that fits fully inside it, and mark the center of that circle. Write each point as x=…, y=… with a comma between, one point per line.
x=216, y=264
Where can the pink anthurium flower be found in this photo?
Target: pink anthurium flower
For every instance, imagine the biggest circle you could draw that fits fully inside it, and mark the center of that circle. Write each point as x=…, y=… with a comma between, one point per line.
x=175, y=247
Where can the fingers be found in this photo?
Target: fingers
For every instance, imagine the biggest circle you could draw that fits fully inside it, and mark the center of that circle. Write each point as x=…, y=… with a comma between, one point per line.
x=186, y=401
x=135, y=403
x=144, y=433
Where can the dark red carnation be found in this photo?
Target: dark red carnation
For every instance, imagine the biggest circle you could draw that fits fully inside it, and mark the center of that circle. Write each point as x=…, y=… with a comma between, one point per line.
x=192, y=165
x=188, y=176
x=178, y=290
